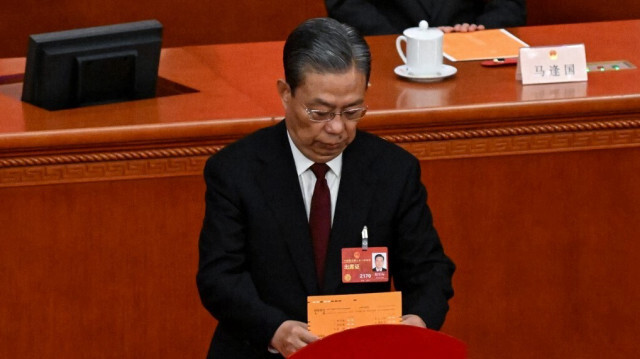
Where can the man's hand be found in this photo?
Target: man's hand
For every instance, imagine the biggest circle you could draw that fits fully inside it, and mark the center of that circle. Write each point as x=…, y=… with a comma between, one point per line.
x=291, y=336
x=412, y=319
x=461, y=28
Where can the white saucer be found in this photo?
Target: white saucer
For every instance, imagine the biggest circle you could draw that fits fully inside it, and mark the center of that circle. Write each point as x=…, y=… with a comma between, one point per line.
x=444, y=72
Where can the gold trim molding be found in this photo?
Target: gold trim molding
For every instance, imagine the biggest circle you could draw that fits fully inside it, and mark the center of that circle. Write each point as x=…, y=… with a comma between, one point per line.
x=426, y=145
x=101, y=171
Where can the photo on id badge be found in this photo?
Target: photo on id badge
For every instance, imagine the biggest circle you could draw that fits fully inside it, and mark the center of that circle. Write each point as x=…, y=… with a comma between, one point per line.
x=380, y=262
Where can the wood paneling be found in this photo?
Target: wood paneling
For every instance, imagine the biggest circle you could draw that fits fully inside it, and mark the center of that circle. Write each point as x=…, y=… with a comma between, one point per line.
x=102, y=270
x=546, y=247
x=187, y=22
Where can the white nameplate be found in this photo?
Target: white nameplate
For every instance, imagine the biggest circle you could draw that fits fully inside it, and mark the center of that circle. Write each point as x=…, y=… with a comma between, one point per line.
x=552, y=64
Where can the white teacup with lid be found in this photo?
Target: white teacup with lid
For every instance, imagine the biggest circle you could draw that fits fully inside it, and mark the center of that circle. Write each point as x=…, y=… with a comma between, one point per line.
x=424, y=49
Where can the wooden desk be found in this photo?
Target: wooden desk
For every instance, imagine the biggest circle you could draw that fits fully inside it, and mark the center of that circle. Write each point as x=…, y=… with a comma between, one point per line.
x=534, y=191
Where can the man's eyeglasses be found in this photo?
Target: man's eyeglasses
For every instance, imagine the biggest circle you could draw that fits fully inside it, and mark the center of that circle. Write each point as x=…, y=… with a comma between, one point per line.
x=351, y=114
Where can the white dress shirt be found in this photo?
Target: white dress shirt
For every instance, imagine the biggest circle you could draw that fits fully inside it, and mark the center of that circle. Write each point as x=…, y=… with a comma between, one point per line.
x=308, y=180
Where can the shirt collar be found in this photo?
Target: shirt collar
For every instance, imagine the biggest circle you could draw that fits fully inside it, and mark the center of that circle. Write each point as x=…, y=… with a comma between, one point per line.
x=303, y=163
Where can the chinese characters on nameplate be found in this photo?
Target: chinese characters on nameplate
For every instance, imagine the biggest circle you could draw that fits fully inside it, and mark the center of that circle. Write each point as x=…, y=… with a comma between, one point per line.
x=552, y=64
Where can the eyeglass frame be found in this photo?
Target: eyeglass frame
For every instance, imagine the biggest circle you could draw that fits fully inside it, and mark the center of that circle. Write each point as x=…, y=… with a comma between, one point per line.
x=333, y=115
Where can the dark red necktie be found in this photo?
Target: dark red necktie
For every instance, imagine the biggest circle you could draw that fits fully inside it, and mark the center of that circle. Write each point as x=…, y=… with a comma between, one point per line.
x=320, y=218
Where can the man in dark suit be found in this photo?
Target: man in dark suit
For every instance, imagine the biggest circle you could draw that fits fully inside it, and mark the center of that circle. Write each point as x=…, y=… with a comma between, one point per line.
x=380, y=17
x=259, y=258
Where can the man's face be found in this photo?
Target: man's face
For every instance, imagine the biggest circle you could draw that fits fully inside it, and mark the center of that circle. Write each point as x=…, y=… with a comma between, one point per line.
x=323, y=141
x=379, y=262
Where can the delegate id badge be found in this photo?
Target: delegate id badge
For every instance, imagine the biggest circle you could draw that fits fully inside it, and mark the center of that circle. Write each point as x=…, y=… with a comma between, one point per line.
x=365, y=265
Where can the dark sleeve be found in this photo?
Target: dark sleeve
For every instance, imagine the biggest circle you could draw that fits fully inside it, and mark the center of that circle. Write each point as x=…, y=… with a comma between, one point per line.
x=224, y=283
x=367, y=18
x=423, y=272
x=503, y=13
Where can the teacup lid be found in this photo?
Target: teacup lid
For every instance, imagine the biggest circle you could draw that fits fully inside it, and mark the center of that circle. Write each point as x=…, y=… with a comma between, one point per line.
x=423, y=32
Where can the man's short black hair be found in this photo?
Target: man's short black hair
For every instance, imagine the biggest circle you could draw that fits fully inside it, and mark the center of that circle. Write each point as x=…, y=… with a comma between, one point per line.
x=324, y=45
x=378, y=255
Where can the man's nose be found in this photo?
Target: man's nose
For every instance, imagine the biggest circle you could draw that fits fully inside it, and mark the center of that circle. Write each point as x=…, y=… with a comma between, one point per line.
x=336, y=125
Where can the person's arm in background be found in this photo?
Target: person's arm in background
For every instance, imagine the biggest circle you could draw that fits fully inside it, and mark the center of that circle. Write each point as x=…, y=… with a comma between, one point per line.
x=362, y=15
x=465, y=27
x=496, y=14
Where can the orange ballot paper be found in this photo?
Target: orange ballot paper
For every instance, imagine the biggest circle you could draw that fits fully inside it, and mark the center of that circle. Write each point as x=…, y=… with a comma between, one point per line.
x=481, y=45
x=328, y=314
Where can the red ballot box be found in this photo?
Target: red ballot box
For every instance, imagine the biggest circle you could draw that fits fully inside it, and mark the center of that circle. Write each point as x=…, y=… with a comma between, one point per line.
x=385, y=341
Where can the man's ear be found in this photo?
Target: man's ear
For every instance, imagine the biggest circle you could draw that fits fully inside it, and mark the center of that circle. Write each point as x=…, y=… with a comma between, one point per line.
x=284, y=90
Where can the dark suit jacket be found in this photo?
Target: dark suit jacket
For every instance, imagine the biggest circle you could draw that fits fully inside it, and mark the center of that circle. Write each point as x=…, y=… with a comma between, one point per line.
x=378, y=17
x=256, y=258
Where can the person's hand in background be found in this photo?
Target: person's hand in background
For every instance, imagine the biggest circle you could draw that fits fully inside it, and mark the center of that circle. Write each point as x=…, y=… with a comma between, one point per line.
x=461, y=28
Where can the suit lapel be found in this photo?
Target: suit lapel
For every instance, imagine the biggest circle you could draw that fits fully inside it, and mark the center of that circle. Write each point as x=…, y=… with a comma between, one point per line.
x=280, y=186
x=354, y=201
